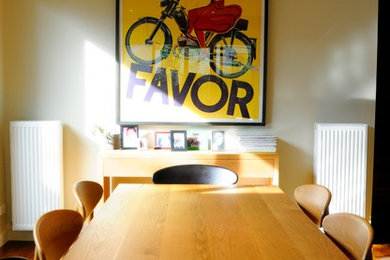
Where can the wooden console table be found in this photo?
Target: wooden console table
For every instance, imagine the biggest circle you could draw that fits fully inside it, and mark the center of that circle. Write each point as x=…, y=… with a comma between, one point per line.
x=139, y=166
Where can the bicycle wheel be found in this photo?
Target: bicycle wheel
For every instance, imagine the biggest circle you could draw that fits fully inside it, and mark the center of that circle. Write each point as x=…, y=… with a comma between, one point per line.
x=231, y=60
x=144, y=50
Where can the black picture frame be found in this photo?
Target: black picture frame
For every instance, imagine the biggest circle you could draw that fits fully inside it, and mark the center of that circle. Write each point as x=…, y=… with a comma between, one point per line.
x=178, y=140
x=218, y=140
x=129, y=137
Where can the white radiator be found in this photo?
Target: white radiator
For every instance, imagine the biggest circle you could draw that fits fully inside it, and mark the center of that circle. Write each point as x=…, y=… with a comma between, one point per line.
x=36, y=170
x=340, y=163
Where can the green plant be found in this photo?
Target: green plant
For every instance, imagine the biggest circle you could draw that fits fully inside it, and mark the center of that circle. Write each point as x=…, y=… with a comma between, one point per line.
x=105, y=134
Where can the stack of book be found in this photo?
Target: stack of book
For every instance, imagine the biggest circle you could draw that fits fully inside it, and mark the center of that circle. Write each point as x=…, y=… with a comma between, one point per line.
x=256, y=143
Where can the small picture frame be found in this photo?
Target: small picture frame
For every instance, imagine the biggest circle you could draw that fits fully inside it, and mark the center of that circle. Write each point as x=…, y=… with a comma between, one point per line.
x=218, y=140
x=162, y=140
x=193, y=142
x=178, y=140
x=129, y=137
x=198, y=140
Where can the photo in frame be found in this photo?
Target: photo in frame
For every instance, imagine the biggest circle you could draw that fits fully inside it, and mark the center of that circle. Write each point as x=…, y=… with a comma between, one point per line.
x=178, y=140
x=193, y=142
x=162, y=140
x=205, y=63
x=129, y=137
x=197, y=140
x=218, y=140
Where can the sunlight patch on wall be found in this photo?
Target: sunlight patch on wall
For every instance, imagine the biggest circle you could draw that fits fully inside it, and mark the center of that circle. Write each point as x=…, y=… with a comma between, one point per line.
x=137, y=105
x=100, y=90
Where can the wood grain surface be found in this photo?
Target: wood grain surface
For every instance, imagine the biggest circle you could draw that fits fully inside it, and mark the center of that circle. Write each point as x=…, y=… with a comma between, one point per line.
x=147, y=221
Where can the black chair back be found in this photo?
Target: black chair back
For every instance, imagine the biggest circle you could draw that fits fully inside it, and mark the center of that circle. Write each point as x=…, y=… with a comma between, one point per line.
x=195, y=174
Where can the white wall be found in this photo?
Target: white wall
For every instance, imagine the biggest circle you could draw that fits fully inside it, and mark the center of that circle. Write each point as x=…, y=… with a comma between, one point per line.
x=321, y=68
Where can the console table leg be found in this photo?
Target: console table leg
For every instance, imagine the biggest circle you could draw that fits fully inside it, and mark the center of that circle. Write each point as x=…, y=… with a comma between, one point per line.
x=106, y=187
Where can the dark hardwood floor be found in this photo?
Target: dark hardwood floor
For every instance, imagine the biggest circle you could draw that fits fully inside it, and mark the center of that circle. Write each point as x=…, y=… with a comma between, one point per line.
x=18, y=248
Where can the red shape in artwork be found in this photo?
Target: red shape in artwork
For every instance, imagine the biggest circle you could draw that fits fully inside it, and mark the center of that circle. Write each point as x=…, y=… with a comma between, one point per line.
x=215, y=17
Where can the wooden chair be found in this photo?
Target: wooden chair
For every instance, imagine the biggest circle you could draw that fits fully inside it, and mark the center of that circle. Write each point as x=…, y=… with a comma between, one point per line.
x=195, y=174
x=351, y=233
x=314, y=200
x=88, y=195
x=380, y=252
x=54, y=232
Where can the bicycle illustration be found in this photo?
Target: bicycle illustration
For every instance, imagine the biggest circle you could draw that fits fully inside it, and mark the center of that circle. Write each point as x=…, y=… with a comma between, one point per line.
x=219, y=37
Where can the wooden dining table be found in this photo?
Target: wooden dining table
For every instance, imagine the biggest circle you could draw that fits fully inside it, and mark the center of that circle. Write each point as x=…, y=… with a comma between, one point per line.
x=151, y=221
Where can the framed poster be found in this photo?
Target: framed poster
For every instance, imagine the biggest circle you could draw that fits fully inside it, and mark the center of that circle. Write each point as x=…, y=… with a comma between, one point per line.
x=184, y=61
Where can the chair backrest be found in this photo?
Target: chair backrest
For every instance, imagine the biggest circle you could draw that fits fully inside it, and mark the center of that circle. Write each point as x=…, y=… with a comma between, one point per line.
x=351, y=233
x=195, y=174
x=88, y=195
x=314, y=200
x=55, y=231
